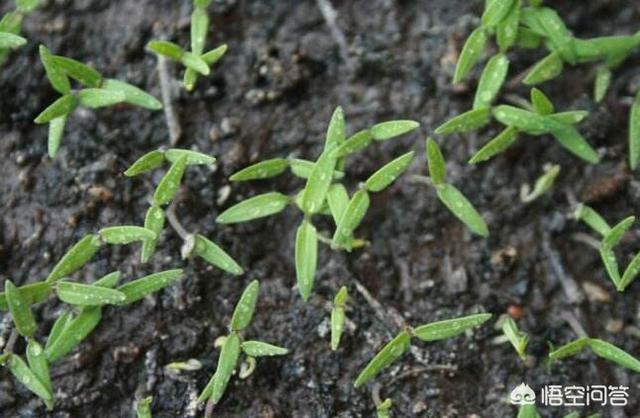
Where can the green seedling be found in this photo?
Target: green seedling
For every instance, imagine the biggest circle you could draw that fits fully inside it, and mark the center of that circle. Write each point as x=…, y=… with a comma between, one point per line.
x=600, y=348
x=323, y=194
x=434, y=331
x=611, y=237
x=518, y=339
x=11, y=25
x=234, y=344
x=95, y=92
x=143, y=407
x=338, y=317
x=383, y=409
x=451, y=197
x=542, y=184
x=196, y=61
x=194, y=244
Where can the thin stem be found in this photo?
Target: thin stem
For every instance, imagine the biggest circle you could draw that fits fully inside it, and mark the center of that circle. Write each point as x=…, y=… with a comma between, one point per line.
x=175, y=223
x=173, y=123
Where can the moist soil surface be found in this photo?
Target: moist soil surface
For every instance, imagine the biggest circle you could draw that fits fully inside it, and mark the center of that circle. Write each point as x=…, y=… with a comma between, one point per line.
x=272, y=95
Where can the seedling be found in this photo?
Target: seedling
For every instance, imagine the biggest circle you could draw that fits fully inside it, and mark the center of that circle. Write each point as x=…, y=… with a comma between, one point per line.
x=383, y=409
x=11, y=25
x=451, y=197
x=96, y=92
x=323, y=194
x=518, y=339
x=194, y=243
x=542, y=184
x=143, y=407
x=600, y=348
x=338, y=317
x=539, y=119
x=195, y=61
x=434, y=331
x=611, y=237
x=233, y=344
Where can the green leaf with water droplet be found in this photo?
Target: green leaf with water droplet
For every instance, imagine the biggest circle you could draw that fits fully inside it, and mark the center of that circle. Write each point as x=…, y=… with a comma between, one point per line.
x=20, y=311
x=338, y=199
x=549, y=24
x=634, y=133
x=507, y=29
x=60, y=324
x=336, y=132
x=153, y=221
x=354, y=143
x=387, y=355
x=147, y=162
x=38, y=363
x=80, y=72
x=109, y=280
x=9, y=40
x=214, y=55
x=523, y=120
x=570, y=349
x=302, y=169
x=259, y=206
x=500, y=143
x=76, y=257
x=61, y=107
x=261, y=349
x=28, y=378
x=138, y=289
x=572, y=141
x=465, y=122
x=193, y=157
x=495, y=11
x=56, y=129
x=541, y=103
x=215, y=255
x=601, y=83
x=57, y=77
x=592, y=218
x=195, y=63
x=471, y=53
x=612, y=353
x=441, y=330
x=170, y=183
x=245, y=307
x=570, y=117
x=306, y=257
x=74, y=333
x=630, y=273
x=543, y=183
x=95, y=98
x=338, y=317
x=125, y=234
x=226, y=364
x=491, y=80
x=167, y=49
x=388, y=173
x=262, y=170
x=393, y=128
x=547, y=68
x=132, y=94
x=436, y=164
x=455, y=201
x=87, y=295
x=315, y=190
x=31, y=293
x=351, y=218
x=199, y=29
x=143, y=407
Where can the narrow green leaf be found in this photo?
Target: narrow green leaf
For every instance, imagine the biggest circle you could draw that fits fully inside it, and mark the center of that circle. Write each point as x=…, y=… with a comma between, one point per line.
x=133, y=95
x=38, y=363
x=390, y=129
x=612, y=353
x=95, y=98
x=190, y=79
x=634, y=133
x=262, y=170
x=315, y=190
x=491, y=80
x=260, y=349
x=143, y=407
x=245, y=307
x=56, y=75
x=139, y=288
x=226, y=364
x=28, y=378
x=518, y=339
x=259, y=206
x=570, y=349
x=383, y=409
x=87, y=295
x=602, y=82
x=462, y=209
x=465, y=122
x=20, y=311
x=337, y=131
x=194, y=62
x=527, y=38
x=61, y=323
x=547, y=68
x=199, y=29
x=61, y=107
x=125, y=234
x=523, y=120
x=630, y=273
x=12, y=22
x=76, y=257
x=507, y=29
x=355, y=142
x=147, y=162
x=572, y=141
x=170, y=183
x=500, y=143
x=80, y=72
x=302, y=169
x=436, y=164
x=551, y=26
x=592, y=218
x=74, y=333
x=543, y=183
x=109, y=280
x=440, y=330
x=167, y=49
x=31, y=293
x=193, y=157
x=541, y=103
x=215, y=255
x=9, y=40
x=306, y=257
x=213, y=56
x=613, y=237
x=471, y=53
x=351, y=218
x=56, y=129
x=338, y=317
x=153, y=221
x=338, y=199
x=495, y=11
x=528, y=411
x=388, y=173
x=570, y=117
x=387, y=355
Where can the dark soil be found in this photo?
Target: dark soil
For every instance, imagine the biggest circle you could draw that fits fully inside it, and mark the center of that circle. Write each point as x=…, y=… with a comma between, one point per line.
x=272, y=95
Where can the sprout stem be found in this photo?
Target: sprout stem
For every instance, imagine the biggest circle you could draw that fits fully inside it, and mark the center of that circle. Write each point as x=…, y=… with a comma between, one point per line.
x=173, y=123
